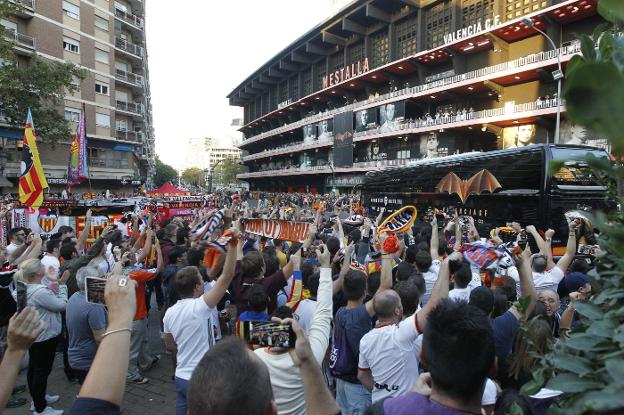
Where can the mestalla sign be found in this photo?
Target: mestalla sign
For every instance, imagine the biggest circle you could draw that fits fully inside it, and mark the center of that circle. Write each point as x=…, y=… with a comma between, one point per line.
x=346, y=73
x=471, y=30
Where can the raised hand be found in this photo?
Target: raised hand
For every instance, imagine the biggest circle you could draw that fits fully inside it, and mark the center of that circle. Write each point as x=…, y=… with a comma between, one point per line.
x=24, y=328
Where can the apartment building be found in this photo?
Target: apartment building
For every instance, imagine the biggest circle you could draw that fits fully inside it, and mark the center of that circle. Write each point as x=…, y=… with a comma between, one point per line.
x=205, y=152
x=107, y=39
x=386, y=82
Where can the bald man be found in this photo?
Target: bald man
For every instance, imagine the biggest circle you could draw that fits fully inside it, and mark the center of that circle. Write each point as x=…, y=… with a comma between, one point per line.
x=552, y=302
x=388, y=363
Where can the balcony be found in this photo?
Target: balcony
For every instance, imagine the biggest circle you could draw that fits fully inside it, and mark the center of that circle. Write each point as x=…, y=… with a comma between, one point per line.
x=129, y=18
x=364, y=166
x=525, y=63
x=25, y=8
x=134, y=108
x=290, y=149
x=128, y=47
x=129, y=135
x=20, y=40
x=129, y=78
x=418, y=126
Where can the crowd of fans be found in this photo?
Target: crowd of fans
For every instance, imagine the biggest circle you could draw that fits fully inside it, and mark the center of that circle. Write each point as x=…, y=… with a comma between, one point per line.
x=422, y=322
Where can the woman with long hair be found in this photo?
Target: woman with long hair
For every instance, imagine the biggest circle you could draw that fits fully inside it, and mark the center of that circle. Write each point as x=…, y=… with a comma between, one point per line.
x=537, y=340
x=49, y=305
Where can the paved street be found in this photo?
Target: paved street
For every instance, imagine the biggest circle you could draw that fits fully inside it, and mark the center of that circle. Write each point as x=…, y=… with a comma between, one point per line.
x=155, y=397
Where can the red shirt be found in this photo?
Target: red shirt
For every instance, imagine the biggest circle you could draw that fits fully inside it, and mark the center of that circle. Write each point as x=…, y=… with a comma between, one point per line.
x=141, y=277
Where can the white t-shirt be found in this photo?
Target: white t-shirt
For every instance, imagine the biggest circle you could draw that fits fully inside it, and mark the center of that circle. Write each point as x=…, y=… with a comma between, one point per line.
x=12, y=248
x=431, y=276
x=50, y=261
x=548, y=279
x=304, y=313
x=189, y=322
x=460, y=294
x=389, y=352
x=214, y=320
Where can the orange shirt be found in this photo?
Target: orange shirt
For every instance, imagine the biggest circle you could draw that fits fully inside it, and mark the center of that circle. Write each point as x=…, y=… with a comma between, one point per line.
x=141, y=277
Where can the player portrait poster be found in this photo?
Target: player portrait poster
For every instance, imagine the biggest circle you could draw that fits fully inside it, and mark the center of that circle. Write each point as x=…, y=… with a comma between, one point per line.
x=343, y=139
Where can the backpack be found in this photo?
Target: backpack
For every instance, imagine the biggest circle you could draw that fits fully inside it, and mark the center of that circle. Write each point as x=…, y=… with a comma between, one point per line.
x=342, y=360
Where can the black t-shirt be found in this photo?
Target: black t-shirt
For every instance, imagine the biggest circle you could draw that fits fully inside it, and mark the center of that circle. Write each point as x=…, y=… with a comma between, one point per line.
x=7, y=303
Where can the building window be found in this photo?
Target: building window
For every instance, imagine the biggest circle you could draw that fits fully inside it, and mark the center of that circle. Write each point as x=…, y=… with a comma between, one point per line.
x=379, y=49
x=475, y=11
x=75, y=83
x=71, y=45
x=101, y=23
x=121, y=7
x=294, y=88
x=101, y=88
x=321, y=71
x=121, y=125
x=336, y=62
x=71, y=10
x=307, y=82
x=438, y=24
x=517, y=8
x=72, y=114
x=356, y=53
x=283, y=91
x=102, y=120
x=101, y=56
x=406, y=34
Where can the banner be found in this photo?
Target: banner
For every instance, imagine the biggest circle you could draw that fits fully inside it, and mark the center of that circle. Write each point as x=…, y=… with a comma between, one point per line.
x=77, y=165
x=343, y=139
x=32, y=181
x=278, y=229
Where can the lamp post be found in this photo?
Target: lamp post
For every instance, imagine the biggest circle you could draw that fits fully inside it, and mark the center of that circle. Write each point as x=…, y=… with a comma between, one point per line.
x=557, y=75
x=212, y=169
x=331, y=166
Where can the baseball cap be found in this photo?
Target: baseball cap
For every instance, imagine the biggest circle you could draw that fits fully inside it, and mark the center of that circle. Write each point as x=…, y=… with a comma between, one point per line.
x=575, y=280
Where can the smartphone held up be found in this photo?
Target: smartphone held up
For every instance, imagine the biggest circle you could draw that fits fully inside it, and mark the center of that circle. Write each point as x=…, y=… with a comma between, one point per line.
x=269, y=334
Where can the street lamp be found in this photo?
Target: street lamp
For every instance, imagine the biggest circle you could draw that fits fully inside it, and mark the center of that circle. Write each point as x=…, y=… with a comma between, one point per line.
x=212, y=168
x=557, y=75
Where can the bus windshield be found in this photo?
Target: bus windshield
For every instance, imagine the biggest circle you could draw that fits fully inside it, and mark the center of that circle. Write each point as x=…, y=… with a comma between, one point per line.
x=575, y=170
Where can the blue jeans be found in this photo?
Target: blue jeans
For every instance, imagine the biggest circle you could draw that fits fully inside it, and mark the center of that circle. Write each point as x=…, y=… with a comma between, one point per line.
x=181, y=387
x=352, y=398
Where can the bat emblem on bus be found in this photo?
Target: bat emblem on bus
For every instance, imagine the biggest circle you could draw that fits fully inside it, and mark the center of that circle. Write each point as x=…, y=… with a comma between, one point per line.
x=479, y=183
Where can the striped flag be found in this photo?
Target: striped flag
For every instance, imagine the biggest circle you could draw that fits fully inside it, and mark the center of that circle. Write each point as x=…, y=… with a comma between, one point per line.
x=32, y=180
x=77, y=166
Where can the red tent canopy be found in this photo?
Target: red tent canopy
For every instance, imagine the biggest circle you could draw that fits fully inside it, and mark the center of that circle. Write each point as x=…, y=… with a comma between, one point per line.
x=168, y=189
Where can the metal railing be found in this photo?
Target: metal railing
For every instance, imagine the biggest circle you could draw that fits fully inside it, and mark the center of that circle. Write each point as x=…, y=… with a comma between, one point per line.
x=129, y=18
x=129, y=47
x=291, y=148
x=133, y=107
x=19, y=38
x=129, y=77
x=415, y=126
x=129, y=135
x=30, y=4
x=571, y=48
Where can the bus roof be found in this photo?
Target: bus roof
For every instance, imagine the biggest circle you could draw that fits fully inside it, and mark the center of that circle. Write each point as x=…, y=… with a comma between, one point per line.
x=475, y=155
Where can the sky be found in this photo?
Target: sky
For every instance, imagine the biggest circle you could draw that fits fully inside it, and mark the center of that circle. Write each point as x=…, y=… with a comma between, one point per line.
x=200, y=50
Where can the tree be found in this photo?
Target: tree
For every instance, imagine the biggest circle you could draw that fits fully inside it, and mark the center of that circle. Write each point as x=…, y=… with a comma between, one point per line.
x=227, y=170
x=589, y=365
x=40, y=85
x=194, y=176
x=164, y=173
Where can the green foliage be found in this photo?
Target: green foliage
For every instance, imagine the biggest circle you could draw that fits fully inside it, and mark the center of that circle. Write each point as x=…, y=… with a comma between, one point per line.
x=194, y=176
x=226, y=171
x=39, y=85
x=589, y=365
x=164, y=173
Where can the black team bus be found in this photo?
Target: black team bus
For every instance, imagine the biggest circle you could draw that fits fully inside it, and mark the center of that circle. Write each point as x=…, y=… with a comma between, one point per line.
x=495, y=187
